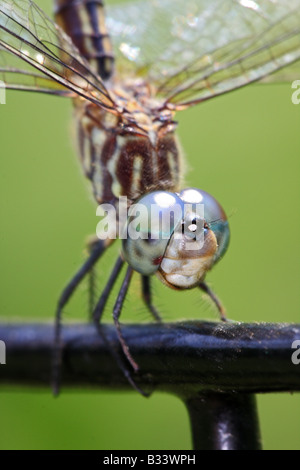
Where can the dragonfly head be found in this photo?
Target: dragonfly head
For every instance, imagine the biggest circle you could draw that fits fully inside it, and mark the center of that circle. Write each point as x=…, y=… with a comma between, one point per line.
x=178, y=236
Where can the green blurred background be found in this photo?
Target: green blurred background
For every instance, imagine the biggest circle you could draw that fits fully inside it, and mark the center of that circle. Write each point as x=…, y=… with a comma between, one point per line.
x=243, y=148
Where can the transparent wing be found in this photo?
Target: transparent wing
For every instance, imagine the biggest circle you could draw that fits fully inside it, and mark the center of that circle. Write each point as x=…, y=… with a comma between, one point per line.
x=193, y=50
x=28, y=36
x=26, y=79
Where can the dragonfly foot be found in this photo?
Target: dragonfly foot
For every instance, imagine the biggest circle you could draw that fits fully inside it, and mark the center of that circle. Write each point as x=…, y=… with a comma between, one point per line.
x=204, y=287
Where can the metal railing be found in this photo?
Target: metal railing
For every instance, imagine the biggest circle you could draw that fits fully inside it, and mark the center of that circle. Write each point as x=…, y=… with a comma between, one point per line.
x=215, y=368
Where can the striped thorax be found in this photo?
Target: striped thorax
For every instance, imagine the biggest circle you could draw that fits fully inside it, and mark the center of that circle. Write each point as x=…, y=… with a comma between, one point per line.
x=129, y=154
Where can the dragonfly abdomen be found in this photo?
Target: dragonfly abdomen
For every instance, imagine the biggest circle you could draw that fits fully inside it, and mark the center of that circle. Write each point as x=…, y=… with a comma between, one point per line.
x=84, y=22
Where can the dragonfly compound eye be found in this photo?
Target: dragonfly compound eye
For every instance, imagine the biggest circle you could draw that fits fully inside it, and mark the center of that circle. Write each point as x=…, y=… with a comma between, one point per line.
x=214, y=217
x=198, y=241
x=150, y=225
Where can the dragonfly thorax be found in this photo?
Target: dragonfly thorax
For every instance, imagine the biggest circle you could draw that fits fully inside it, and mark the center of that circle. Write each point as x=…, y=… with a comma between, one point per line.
x=129, y=154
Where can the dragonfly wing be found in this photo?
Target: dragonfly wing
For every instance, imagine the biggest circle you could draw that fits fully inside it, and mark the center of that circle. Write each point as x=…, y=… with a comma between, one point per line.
x=26, y=33
x=14, y=78
x=193, y=50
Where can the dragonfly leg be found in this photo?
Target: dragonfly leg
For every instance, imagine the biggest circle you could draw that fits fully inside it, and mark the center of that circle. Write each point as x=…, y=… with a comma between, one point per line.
x=203, y=286
x=98, y=311
x=147, y=297
x=97, y=315
x=116, y=315
x=91, y=243
x=95, y=254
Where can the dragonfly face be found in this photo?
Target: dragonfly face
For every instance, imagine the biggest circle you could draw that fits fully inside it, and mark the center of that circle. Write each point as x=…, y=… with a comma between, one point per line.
x=175, y=240
x=202, y=242
x=128, y=72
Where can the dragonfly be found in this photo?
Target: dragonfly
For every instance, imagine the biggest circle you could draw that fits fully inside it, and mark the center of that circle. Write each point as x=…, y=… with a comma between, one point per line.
x=129, y=68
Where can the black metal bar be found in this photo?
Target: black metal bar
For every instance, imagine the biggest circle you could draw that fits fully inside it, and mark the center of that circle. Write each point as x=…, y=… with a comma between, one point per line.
x=215, y=368
x=224, y=421
x=182, y=358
